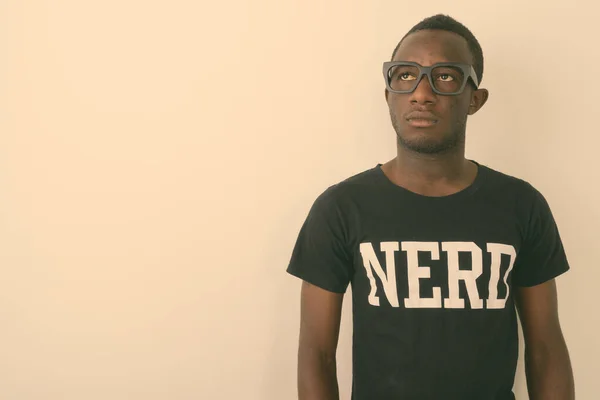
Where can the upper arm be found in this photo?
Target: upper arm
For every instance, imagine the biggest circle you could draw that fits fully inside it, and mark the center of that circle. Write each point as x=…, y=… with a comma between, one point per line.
x=322, y=254
x=320, y=314
x=542, y=255
x=538, y=311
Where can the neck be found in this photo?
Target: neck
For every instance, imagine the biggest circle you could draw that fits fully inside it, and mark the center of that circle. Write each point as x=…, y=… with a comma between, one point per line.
x=431, y=174
x=449, y=166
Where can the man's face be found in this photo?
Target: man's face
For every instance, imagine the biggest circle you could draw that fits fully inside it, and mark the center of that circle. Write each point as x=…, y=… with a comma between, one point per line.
x=426, y=122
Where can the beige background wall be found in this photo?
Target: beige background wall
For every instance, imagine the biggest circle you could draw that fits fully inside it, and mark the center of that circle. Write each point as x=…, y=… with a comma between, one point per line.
x=157, y=159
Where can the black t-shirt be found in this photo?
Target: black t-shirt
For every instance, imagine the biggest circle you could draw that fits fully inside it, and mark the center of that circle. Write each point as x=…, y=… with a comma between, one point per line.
x=432, y=280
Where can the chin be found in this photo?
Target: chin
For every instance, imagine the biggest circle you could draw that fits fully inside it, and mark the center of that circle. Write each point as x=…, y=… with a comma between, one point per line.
x=425, y=145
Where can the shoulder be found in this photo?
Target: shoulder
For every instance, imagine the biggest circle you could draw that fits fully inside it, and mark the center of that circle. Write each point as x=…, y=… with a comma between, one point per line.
x=350, y=187
x=516, y=194
x=506, y=181
x=513, y=186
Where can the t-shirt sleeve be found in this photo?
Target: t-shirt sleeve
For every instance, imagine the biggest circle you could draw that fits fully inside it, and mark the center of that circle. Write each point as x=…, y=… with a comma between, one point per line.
x=321, y=255
x=542, y=256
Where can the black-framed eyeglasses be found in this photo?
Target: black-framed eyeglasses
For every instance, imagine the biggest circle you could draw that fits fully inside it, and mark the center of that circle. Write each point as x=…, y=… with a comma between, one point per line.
x=447, y=79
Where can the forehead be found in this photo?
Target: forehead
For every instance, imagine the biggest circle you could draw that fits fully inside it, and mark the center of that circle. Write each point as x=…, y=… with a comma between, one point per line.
x=428, y=47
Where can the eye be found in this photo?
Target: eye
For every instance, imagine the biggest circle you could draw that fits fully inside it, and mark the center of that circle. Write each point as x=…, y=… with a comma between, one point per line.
x=406, y=76
x=446, y=77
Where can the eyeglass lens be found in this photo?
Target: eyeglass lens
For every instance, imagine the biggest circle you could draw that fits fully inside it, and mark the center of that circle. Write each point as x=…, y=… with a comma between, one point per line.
x=446, y=79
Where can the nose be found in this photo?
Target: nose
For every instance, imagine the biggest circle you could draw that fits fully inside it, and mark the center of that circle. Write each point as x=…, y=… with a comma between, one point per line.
x=423, y=93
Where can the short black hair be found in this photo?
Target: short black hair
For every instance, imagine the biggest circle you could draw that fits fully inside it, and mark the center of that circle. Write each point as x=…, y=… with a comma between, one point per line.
x=447, y=23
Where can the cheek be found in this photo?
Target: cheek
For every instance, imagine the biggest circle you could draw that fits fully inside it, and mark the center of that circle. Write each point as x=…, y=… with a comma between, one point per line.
x=458, y=108
x=393, y=104
x=397, y=102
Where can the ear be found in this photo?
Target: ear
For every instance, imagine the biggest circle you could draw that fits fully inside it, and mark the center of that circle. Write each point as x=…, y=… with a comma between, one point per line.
x=478, y=99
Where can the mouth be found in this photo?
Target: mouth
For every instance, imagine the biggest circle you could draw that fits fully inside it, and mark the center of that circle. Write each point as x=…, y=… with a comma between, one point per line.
x=421, y=122
x=421, y=119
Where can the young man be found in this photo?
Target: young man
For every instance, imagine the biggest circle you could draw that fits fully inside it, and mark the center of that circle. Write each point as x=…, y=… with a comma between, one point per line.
x=439, y=250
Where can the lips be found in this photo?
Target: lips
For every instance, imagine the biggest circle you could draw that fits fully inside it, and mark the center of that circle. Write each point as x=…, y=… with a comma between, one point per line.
x=421, y=119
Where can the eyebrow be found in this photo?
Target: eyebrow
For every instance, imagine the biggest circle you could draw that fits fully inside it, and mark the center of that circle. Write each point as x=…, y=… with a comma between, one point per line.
x=437, y=62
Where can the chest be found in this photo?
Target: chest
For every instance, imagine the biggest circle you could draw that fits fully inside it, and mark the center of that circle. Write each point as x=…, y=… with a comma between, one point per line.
x=435, y=258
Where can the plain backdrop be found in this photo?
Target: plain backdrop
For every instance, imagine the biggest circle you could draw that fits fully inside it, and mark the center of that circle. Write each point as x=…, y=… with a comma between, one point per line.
x=157, y=159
